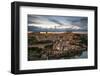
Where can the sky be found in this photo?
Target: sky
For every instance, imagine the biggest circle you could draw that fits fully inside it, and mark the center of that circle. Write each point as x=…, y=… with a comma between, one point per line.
x=40, y=23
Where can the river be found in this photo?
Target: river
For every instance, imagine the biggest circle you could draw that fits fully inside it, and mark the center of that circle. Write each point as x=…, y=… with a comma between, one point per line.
x=83, y=55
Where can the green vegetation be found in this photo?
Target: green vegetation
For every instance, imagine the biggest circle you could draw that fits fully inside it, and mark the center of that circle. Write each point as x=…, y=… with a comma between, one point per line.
x=49, y=46
x=34, y=53
x=83, y=40
x=43, y=42
x=32, y=40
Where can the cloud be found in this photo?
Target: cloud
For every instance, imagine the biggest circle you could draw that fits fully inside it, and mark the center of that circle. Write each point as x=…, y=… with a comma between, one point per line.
x=58, y=22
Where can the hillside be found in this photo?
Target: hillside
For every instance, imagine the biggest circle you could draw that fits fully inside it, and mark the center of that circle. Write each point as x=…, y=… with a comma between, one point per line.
x=43, y=46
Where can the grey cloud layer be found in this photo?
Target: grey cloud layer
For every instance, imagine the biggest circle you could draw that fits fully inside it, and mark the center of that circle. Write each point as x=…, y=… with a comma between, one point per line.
x=79, y=22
